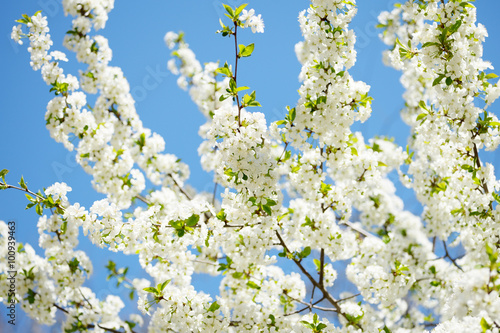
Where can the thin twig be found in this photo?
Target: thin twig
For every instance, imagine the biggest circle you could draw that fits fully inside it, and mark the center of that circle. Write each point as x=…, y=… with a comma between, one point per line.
x=357, y=229
x=322, y=263
x=326, y=294
x=215, y=192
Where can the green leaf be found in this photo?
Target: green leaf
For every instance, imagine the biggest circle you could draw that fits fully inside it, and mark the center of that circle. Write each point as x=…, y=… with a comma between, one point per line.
x=224, y=71
x=150, y=290
x=454, y=28
x=267, y=209
x=320, y=326
x=142, y=140
x=229, y=10
x=242, y=88
x=438, y=80
x=232, y=86
x=271, y=202
x=429, y=44
x=31, y=296
x=317, y=263
x=484, y=325
x=444, y=34
x=21, y=21
x=192, y=220
x=305, y=252
x=386, y=239
x=491, y=76
x=467, y=167
x=496, y=197
x=131, y=324
x=163, y=285
x=23, y=184
x=325, y=188
x=449, y=81
x=221, y=215
x=28, y=206
x=39, y=210
x=421, y=116
x=466, y=4
x=386, y=329
x=3, y=173
x=246, y=51
x=253, y=285
x=422, y=105
x=307, y=324
x=213, y=307
x=492, y=255
x=239, y=9
x=73, y=265
x=94, y=48
x=292, y=113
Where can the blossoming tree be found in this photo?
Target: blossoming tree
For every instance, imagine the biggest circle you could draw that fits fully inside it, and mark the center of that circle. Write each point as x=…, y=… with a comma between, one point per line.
x=305, y=189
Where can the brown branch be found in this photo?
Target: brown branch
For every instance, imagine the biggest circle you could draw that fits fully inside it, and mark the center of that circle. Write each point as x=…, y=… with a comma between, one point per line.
x=143, y=199
x=283, y=153
x=322, y=262
x=236, y=70
x=326, y=294
x=213, y=196
x=478, y=163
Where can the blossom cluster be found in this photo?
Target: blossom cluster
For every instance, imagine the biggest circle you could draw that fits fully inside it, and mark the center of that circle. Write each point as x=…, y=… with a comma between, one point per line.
x=304, y=191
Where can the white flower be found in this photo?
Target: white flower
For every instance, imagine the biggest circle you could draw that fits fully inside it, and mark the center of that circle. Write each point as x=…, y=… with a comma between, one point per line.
x=16, y=34
x=58, y=190
x=246, y=15
x=256, y=23
x=252, y=21
x=170, y=39
x=58, y=55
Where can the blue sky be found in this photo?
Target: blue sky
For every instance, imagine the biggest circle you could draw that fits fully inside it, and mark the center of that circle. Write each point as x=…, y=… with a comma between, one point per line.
x=135, y=35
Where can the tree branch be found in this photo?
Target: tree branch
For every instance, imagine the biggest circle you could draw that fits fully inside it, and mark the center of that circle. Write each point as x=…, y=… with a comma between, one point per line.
x=326, y=294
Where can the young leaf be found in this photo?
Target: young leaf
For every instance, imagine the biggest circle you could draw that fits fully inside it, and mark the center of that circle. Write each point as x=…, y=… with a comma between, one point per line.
x=253, y=285
x=150, y=290
x=491, y=76
x=213, y=307
x=421, y=116
x=238, y=10
x=229, y=10
x=305, y=252
x=247, y=50
x=23, y=184
x=192, y=220
x=39, y=210
x=163, y=285
x=438, y=80
x=3, y=173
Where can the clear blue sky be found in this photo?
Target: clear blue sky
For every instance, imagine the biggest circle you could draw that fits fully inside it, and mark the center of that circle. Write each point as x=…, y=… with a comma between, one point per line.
x=135, y=34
